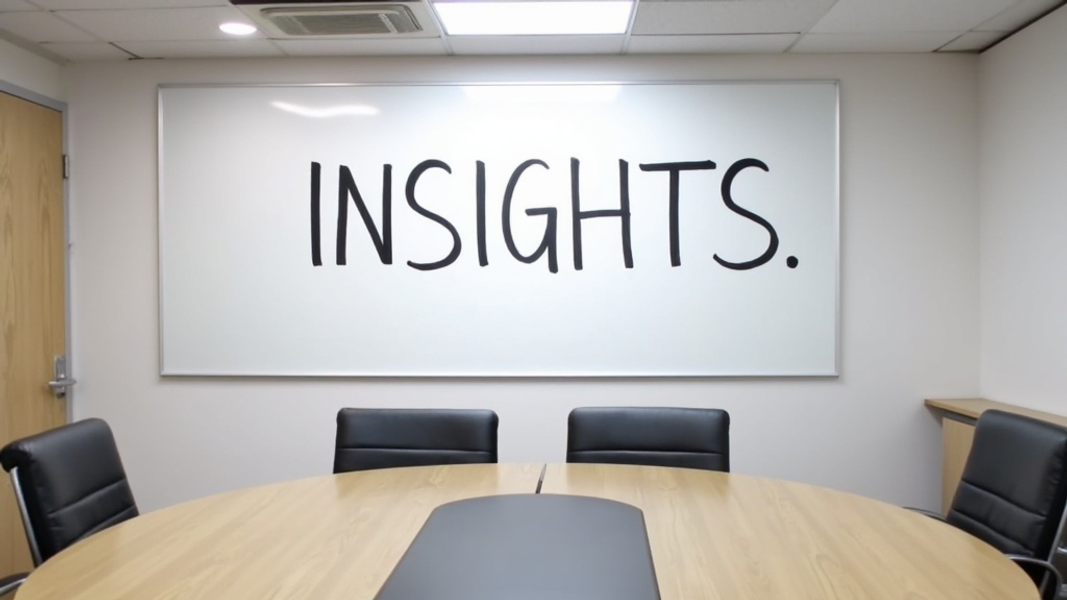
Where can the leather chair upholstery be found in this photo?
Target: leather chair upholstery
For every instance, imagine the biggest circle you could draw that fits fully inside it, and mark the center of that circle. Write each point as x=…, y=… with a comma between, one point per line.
x=72, y=484
x=1014, y=486
x=696, y=438
x=1012, y=493
x=378, y=438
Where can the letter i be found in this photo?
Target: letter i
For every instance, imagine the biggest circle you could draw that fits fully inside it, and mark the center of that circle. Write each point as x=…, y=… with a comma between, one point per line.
x=316, y=249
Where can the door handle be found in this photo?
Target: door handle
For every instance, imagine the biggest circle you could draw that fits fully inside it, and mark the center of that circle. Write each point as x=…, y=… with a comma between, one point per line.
x=59, y=386
x=61, y=382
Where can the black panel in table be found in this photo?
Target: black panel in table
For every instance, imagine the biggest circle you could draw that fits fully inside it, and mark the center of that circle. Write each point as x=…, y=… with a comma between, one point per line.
x=526, y=547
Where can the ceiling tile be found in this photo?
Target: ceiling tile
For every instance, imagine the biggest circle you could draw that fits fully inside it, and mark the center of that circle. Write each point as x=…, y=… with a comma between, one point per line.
x=711, y=44
x=875, y=16
x=973, y=41
x=160, y=24
x=86, y=51
x=378, y=47
x=109, y=4
x=40, y=26
x=728, y=16
x=925, y=41
x=537, y=44
x=6, y=5
x=78, y=29
x=204, y=49
x=1020, y=14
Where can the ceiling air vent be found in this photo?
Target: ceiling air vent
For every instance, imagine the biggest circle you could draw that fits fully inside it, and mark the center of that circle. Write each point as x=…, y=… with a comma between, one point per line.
x=377, y=20
x=295, y=19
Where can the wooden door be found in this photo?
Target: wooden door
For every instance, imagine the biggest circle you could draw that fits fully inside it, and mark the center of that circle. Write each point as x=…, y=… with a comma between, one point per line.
x=32, y=290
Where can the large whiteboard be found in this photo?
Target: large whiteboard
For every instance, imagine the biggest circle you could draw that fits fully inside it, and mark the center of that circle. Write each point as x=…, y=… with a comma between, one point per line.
x=667, y=229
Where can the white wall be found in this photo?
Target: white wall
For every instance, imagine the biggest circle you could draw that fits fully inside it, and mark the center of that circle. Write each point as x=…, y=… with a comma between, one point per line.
x=909, y=284
x=1023, y=185
x=29, y=71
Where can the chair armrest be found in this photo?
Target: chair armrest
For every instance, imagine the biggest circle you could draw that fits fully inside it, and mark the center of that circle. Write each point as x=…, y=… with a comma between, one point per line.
x=1051, y=584
x=9, y=583
x=929, y=513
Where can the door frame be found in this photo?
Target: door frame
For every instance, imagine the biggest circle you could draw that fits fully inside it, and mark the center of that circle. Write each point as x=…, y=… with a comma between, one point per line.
x=61, y=107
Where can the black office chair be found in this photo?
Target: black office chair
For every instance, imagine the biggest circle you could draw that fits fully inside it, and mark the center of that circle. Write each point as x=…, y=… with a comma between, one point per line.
x=69, y=484
x=697, y=438
x=378, y=438
x=1013, y=491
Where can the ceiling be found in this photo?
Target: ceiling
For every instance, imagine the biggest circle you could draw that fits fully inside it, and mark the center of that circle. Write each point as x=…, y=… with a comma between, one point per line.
x=101, y=30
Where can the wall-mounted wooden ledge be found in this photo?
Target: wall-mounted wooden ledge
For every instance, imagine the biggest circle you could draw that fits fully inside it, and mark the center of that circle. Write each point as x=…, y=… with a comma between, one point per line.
x=969, y=409
x=958, y=416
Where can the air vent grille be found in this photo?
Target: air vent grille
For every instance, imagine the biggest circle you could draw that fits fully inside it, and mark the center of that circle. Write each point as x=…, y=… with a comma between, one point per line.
x=383, y=19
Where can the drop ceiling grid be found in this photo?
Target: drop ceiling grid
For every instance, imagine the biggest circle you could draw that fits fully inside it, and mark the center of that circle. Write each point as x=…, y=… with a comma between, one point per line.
x=125, y=4
x=973, y=41
x=86, y=51
x=711, y=44
x=160, y=24
x=37, y=26
x=15, y=5
x=84, y=29
x=875, y=42
x=1020, y=13
x=764, y=16
x=204, y=49
x=882, y=16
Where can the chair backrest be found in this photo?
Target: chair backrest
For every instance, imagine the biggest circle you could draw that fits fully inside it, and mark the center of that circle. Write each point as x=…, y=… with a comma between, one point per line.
x=1014, y=484
x=69, y=484
x=378, y=438
x=697, y=438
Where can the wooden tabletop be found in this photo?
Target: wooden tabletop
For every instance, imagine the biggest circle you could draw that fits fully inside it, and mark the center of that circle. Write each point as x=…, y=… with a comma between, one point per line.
x=332, y=537
x=731, y=537
x=712, y=536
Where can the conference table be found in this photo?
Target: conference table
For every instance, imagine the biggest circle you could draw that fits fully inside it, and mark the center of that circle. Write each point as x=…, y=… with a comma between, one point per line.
x=711, y=535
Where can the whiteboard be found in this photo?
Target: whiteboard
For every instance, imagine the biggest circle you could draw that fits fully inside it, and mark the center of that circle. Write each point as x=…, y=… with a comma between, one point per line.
x=601, y=229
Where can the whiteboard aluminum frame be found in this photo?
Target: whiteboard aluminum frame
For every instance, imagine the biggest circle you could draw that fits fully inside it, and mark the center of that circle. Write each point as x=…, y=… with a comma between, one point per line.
x=548, y=374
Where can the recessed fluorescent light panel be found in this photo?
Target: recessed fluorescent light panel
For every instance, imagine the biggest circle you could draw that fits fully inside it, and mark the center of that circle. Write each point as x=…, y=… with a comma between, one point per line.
x=238, y=28
x=603, y=17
